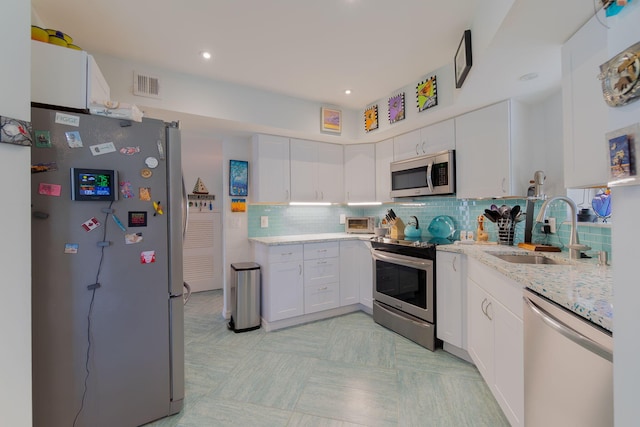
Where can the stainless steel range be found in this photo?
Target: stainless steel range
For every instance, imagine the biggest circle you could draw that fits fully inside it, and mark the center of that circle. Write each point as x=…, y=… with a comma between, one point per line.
x=404, y=288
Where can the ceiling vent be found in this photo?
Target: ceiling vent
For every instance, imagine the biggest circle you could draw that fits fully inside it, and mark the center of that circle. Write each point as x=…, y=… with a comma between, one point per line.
x=145, y=85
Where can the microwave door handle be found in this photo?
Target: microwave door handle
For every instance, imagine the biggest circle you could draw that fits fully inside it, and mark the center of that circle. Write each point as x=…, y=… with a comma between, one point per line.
x=429, y=180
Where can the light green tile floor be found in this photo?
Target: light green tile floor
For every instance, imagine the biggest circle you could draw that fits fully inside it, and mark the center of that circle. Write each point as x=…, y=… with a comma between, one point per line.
x=345, y=371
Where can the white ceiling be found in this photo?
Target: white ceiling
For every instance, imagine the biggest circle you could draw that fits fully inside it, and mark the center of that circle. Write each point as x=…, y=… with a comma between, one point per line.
x=314, y=49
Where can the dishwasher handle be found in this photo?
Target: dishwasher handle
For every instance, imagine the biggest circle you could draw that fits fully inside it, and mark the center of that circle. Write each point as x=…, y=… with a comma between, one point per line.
x=568, y=332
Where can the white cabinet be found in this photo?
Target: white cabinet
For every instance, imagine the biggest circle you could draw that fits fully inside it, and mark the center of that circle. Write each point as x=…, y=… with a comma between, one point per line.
x=270, y=179
x=316, y=171
x=428, y=140
x=356, y=273
x=384, y=157
x=585, y=113
x=451, y=298
x=495, y=336
x=65, y=77
x=321, y=276
x=485, y=162
x=360, y=172
x=282, y=281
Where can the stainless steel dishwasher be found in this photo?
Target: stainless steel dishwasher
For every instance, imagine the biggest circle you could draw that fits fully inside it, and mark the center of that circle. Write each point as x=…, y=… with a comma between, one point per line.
x=568, y=367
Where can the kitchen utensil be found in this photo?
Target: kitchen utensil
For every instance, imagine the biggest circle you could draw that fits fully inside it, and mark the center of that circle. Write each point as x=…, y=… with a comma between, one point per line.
x=441, y=227
x=494, y=207
x=392, y=214
x=515, y=211
x=492, y=215
x=412, y=229
x=504, y=211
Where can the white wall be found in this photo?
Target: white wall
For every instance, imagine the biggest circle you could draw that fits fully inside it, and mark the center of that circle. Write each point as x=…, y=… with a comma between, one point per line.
x=15, y=221
x=624, y=31
x=202, y=158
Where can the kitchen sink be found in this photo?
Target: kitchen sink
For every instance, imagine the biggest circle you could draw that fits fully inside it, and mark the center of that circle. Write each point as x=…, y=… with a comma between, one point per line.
x=529, y=259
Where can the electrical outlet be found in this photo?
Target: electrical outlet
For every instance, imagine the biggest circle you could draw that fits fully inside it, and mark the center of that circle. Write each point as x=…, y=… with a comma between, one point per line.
x=264, y=222
x=343, y=218
x=551, y=222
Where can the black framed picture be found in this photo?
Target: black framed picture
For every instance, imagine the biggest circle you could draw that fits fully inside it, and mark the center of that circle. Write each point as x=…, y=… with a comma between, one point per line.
x=462, y=61
x=238, y=177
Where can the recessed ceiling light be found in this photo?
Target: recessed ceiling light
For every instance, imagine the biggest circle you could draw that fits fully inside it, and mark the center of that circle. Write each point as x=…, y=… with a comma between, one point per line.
x=205, y=55
x=347, y=92
x=528, y=76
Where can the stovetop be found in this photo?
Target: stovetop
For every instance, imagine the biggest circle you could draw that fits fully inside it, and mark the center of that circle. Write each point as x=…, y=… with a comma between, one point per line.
x=415, y=248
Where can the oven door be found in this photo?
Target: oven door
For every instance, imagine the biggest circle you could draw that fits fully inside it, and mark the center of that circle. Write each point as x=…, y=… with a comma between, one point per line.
x=405, y=283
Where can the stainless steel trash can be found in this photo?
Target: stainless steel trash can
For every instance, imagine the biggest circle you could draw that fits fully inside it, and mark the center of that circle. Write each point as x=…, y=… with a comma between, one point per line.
x=245, y=297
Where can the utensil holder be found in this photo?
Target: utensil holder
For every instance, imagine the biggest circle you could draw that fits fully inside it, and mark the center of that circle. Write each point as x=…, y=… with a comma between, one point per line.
x=506, y=231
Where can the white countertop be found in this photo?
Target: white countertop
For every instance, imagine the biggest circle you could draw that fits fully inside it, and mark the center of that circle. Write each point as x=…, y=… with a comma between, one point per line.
x=582, y=286
x=309, y=238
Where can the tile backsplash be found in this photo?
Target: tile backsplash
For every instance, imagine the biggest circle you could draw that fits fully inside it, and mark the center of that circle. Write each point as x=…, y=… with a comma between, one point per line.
x=293, y=220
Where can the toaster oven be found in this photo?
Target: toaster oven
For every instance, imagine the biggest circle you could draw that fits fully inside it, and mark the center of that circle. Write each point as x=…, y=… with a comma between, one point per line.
x=360, y=224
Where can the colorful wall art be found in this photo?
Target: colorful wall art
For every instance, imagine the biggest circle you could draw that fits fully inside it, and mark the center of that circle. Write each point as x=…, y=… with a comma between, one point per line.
x=427, y=94
x=396, y=108
x=371, y=118
x=330, y=120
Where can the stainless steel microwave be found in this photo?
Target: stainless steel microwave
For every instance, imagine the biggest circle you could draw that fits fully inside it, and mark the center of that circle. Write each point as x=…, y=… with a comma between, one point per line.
x=430, y=175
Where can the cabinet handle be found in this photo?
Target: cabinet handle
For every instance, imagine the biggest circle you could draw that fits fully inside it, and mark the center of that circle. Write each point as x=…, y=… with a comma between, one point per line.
x=321, y=262
x=286, y=253
x=316, y=194
x=504, y=188
x=322, y=250
x=487, y=311
x=453, y=264
x=417, y=153
x=299, y=269
x=482, y=306
x=323, y=289
x=348, y=195
x=423, y=150
x=322, y=195
x=286, y=197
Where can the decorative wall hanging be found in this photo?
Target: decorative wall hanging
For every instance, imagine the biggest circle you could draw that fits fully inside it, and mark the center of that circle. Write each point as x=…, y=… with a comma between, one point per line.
x=396, y=108
x=620, y=75
x=462, y=61
x=238, y=205
x=371, y=118
x=238, y=177
x=330, y=120
x=427, y=94
x=622, y=155
x=13, y=131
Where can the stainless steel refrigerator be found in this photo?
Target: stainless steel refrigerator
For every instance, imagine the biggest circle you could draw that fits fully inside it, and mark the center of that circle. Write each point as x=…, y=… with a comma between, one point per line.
x=107, y=285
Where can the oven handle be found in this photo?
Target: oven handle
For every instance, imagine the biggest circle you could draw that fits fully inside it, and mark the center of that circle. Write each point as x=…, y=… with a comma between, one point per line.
x=407, y=261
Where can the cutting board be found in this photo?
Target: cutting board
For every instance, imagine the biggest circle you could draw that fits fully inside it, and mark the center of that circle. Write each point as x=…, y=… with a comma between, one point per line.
x=539, y=248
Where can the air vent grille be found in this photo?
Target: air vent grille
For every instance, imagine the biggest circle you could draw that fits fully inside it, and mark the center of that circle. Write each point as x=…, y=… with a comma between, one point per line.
x=145, y=85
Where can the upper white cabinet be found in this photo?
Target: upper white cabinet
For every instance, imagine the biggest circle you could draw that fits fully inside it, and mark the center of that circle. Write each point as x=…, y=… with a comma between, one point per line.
x=360, y=172
x=428, y=140
x=585, y=113
x=316, y=171
x=65, y=77
x=485, y=162
x=384, y=157
x=270, y=179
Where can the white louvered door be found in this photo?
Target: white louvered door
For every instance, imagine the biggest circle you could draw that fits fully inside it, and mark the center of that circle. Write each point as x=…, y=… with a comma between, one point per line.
x=203, y=250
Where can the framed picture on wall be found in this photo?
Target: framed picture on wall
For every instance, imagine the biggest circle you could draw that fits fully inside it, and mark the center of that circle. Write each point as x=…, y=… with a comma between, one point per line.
x=462, y=61
x=238, y=178
x=330, y=120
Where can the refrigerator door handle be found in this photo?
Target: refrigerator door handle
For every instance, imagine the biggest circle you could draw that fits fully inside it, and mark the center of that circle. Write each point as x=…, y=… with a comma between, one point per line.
x=185, y=211
x=186, y=295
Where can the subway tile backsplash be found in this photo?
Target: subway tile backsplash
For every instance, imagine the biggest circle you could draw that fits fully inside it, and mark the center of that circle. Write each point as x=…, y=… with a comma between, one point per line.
x=292, y=220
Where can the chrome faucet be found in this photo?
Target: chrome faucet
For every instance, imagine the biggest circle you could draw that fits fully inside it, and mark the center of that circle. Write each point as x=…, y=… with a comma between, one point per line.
x=575, y=248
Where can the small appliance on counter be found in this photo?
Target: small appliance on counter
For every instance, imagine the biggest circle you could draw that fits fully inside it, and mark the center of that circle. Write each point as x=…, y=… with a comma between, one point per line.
x=360, y=224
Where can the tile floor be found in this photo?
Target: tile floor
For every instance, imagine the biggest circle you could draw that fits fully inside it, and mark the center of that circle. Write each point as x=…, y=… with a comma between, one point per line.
x=345, y=371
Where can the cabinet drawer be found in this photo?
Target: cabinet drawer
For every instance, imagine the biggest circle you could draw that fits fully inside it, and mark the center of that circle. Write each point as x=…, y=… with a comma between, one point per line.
x=321, y=297
x=321, y=271
x=285, y=253
x=321, y=250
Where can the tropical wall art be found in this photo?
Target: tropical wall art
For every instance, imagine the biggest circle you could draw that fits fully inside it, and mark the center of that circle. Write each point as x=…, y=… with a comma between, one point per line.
x=371, y=118
x=396, y=108
x=427, y=94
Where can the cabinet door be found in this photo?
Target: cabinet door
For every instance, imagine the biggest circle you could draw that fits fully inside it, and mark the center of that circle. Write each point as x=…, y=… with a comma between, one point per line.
x=349, y=272
x=509, y=363
x=438, y=137
x=360, y=172
x=480, y=329
x=585, y=114
x=286, y=290
x=450, y=298
x=384, y=157
x=407, y=145
x=483, y=152
x=270, y=175
x=365, y=267
x=330, y=173
x=304, y=170
x=321, y=297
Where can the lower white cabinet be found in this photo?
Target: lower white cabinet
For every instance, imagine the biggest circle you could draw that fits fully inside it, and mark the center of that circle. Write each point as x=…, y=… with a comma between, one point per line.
x=495, y=336
x=282, y=281
x=356, y=273
x=451, y=298
x=321, y=276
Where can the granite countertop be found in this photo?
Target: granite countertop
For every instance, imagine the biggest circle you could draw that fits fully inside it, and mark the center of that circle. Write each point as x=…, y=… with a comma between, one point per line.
x=309, y=238
x=582, y=286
